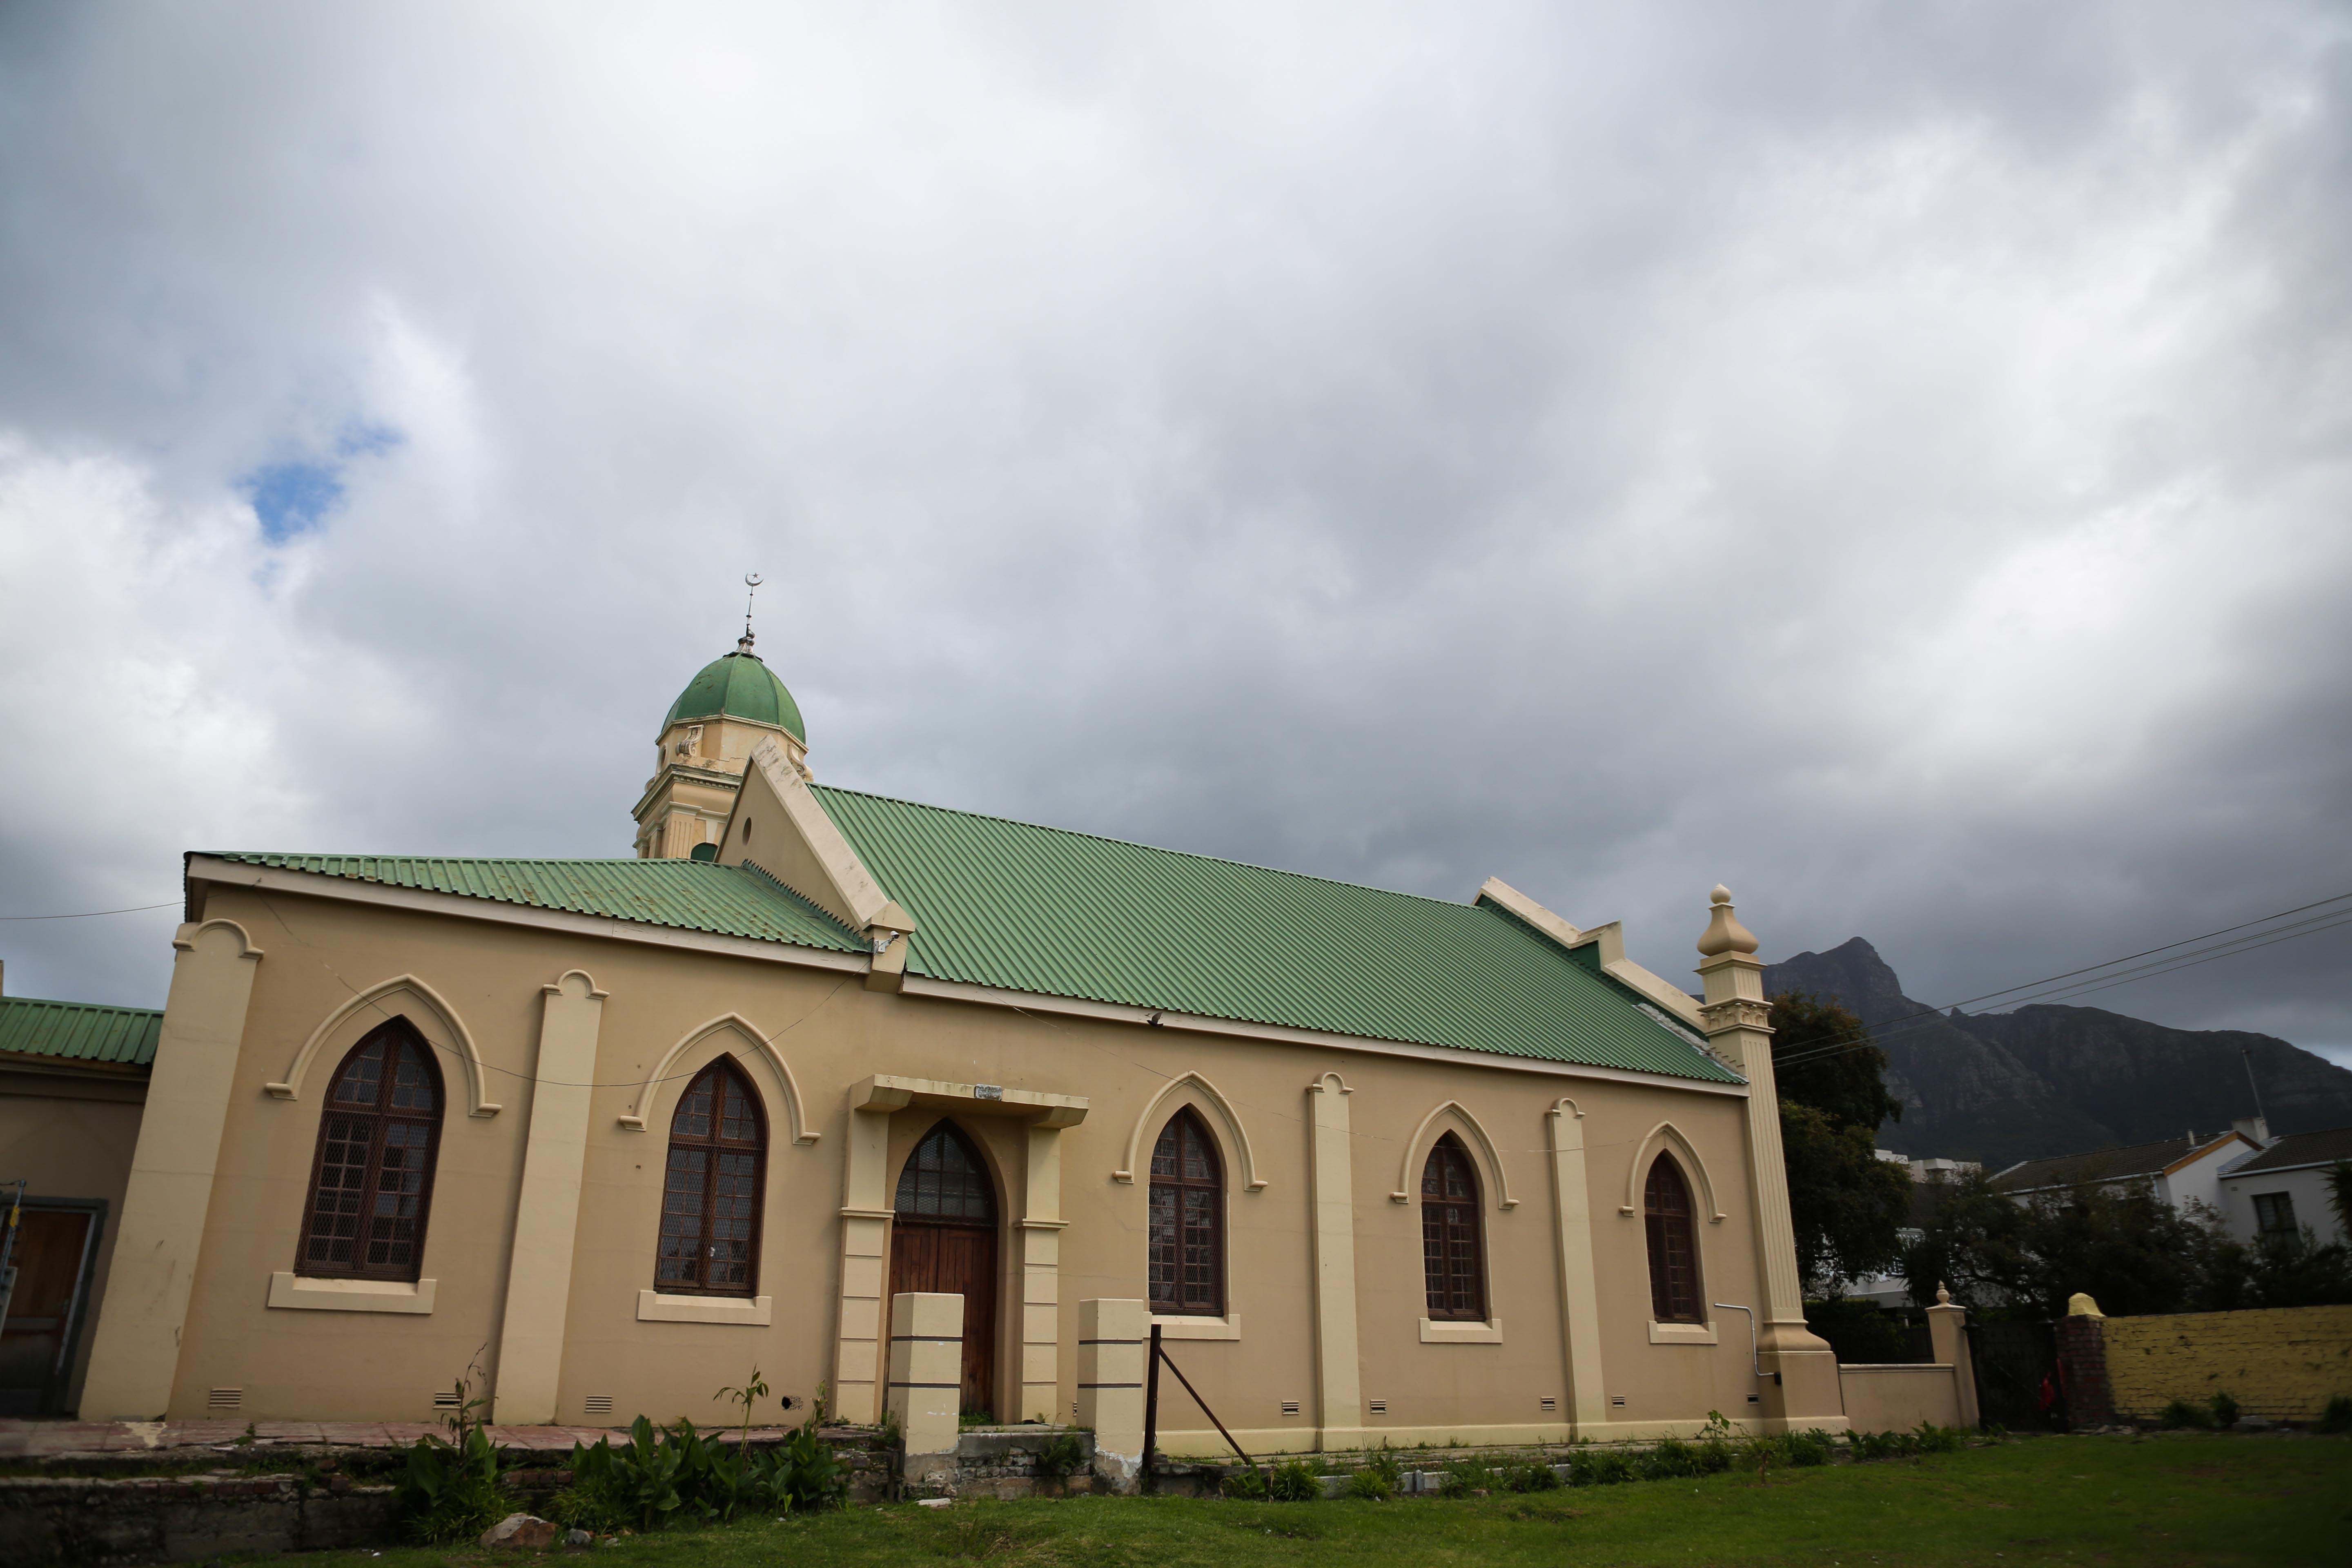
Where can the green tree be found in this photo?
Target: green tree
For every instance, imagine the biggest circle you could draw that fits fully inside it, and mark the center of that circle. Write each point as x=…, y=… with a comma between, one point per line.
x=1847, y=1205
x=2134, y=1253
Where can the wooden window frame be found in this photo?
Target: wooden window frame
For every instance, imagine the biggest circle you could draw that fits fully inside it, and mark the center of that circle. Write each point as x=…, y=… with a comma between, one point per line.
x=716, y=1143
x=1175, y=1305
x=1458, y=1223
x=396, y=1035
x=1659, y=1227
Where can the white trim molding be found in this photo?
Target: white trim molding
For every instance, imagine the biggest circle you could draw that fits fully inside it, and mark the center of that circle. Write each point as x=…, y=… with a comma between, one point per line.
x=1497, y=1179
x=438, y=1018
x=1682, y=1333
x=1228, y=1327
x=299, y=1290
x=751, y=1311
x=1148, y=1124
x=1666, y=1135
x=1434, y=1331
x=639, y=1103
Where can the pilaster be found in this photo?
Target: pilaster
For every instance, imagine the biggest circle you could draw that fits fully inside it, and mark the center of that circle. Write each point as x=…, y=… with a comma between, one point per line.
x=547, y=1212
x=135, y=1356
x=1804, y=1389
x=1339, y=1376
x=926, y=1378
x=1041, y=1261
x=1580, y=1293
x=857, y=1362
x=1113, y=1340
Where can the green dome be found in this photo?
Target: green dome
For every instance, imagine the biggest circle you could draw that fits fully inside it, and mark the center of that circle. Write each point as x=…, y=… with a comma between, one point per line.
x=738, y=686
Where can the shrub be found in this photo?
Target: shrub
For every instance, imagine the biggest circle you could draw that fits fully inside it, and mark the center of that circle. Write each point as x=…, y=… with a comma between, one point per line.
x=1930, y=1438
x=1467, y=1477
x=1245, y=1485
x=2180, y=1412
x=1369, y=1485
x=1869, y=1446
x=2337, y=1417
x=1599, y=1467
x=1810, y=1446
x=1532, y=1476
x=2225, y=1410
x=1065, y=1455
x=804, y=1474
x=1294, y=1480
x=1667, y=1460
x=451, y=1490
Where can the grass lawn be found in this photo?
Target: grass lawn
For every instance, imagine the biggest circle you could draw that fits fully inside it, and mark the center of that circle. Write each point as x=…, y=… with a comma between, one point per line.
x=2112, y=1500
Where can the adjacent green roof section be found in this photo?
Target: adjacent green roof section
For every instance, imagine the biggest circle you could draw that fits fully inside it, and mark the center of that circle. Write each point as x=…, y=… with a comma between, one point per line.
x=1025, y=908
x=79, y=1031
x=685, y=895
x=738, y=686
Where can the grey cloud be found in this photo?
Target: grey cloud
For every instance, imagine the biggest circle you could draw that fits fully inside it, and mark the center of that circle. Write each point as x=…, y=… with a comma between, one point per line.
x=1886, y=458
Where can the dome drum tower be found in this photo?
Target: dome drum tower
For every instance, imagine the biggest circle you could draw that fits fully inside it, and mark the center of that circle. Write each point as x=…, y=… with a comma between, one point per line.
x=705, y=745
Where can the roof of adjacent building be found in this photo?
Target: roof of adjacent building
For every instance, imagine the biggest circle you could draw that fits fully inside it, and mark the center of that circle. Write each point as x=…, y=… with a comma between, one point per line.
x=2103, y=1164
x=685, y=895
x=1025, y=908
x=79, y=1031
x=2298, y=1150
x=738, y=686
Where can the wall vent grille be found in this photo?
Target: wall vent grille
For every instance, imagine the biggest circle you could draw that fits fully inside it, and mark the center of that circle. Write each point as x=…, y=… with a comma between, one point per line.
x=446, y=1399
x=1379, y=1407
x=1290, y=1407
x=225, y=1399
x=1549, y=1402
x=598, y=1404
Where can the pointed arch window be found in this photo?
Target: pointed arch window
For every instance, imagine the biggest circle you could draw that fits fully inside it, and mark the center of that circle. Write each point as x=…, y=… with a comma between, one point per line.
x=1452, y=1248
x=712, y=1185
x=371, y=1178
x=1187, y=1239
x=1674, y=1245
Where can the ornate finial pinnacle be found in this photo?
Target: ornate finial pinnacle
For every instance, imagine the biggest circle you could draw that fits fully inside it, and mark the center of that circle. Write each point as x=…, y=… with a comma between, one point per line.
x=1943, y=1294
x=1724, y=932
x=752, y=580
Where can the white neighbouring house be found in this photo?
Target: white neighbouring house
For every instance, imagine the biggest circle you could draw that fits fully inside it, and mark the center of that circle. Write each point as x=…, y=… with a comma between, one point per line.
x=2284, y=1188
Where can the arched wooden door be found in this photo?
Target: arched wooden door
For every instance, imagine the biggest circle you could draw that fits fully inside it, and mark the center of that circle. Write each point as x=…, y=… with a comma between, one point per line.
x=943, y=1239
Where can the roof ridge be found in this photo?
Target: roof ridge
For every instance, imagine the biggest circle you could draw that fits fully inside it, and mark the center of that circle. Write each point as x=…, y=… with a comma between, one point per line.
x=1154, y=848
x=468, y=859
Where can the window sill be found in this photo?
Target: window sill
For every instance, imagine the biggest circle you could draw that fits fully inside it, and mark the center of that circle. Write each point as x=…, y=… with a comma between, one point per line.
x=1681, y=1333
x=301, y=1291
x=1453, y=1331
x=751, y=1311
x=1228, y=1327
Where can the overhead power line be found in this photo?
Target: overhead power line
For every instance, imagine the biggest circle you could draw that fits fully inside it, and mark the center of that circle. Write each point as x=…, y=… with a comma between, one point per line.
x=93, y=914
x=2244, y=937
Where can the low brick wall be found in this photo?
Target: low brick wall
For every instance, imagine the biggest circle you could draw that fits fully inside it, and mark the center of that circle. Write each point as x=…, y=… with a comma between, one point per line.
x=70, y=1521
x=1897, y=1397
x=2284, y=1363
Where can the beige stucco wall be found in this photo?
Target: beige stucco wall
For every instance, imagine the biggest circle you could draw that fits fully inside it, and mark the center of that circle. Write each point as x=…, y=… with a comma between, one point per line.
x=1897, y=1398
x=70, y=1136
x=832, y=1033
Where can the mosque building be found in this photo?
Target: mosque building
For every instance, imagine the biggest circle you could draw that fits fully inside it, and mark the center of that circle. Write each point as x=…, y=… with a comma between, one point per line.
x=603, y=1134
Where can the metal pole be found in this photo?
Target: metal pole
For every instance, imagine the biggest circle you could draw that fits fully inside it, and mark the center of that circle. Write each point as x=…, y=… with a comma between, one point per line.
x=2246, y=1055
x=1150, y=1407
x=1211, y=1415
x=8, y=1252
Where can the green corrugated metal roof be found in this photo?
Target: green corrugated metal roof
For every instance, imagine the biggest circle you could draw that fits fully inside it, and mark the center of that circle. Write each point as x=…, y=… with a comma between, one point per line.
x=79, y=1031
x=741, y=685
x=1025, y=908
x=687, y=895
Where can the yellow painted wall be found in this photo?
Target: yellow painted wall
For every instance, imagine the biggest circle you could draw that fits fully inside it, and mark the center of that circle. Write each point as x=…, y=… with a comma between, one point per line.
x=832, y=1033
x=72, y=1137
x=2284, y=1364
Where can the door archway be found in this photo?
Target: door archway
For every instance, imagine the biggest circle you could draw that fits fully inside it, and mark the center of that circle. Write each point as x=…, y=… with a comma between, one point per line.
x=943, y=1239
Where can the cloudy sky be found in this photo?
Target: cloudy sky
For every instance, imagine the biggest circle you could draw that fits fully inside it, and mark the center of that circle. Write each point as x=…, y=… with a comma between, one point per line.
x=1894, y=458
